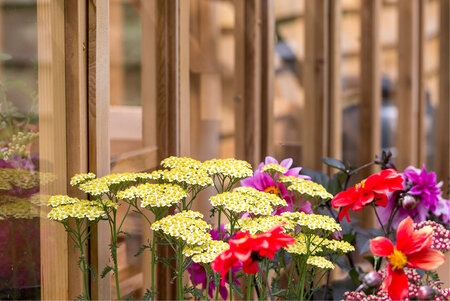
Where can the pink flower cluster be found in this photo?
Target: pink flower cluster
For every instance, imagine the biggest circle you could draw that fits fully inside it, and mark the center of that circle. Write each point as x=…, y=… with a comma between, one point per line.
x=441, y=235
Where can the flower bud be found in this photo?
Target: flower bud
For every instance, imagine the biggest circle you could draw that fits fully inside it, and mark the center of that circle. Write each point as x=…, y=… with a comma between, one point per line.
x=409, y=202
x=425, y=293
x=337, y=235
x=372, y=279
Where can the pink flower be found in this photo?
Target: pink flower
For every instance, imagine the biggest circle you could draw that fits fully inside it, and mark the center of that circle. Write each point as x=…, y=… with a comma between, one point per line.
x=264, y=182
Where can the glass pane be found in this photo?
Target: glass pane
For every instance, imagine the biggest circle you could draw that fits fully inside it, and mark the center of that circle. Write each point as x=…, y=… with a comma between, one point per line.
x=19, y=157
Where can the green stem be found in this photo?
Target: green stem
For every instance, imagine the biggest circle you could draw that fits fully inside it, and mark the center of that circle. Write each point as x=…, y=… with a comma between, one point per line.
x=83, y=261
x=207, y=282
x=153, y=263
x=180, y=293
x=114, y=253
x=249, y=286
x=230, y=277
x=302, y=277
x=217, y=287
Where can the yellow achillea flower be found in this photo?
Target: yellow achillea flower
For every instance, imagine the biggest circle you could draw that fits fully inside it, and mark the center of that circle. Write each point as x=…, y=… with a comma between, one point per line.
x=183, y=176
x=18, y=145
x=10, y=178
x=247, y=199
x=306, y=187
x=176, y=162
x=274, y=168
x=259, y=224
x=232, y=168
x=186, y=226
x=320, y=262
x=155, y=195
x=212, y=249
x=57, y=200
x=313, y=221
x=80, y=209
x=81, y=178
x=19, y=208
x=95, y=187
x=339, y=246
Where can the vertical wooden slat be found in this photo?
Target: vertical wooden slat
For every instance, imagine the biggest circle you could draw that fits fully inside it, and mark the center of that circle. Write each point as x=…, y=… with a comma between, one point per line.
x=314, y=126
x=117, y=55
x=408, y=83
x=248, y=80
x=267, y=76
x=98, y=108
x=52, y=143
x=443, y=118
x=76, y=116
x=370, y=101
x=334, y=81
x=421, y=114
x=172, y=61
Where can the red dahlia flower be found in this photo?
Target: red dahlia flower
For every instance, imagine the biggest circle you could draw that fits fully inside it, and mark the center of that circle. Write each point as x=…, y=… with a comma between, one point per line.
x=249, y=249
x=374, y=188
x=412, y=250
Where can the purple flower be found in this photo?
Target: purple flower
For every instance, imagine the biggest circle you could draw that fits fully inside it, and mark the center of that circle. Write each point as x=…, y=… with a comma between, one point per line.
x=264, y=182
x=423, y=185
x=197, y=272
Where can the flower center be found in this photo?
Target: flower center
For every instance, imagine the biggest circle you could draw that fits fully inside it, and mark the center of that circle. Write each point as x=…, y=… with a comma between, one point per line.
x=360, y=185
x=273, y=190
x=397, y=259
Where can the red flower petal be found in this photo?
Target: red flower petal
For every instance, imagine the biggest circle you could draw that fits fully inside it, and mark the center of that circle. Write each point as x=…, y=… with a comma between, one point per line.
x=398, y=286
x=382, y=199
x=381, y=246
x=410, y=241
x=250, y=267
x=427, y=259
x=344, y=212
x=342, y=198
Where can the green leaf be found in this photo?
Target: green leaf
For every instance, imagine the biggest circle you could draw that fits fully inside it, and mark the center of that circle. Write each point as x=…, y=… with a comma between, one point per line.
x=5, y=57
x=106, y=270
x=335, y=163
x=355, y=276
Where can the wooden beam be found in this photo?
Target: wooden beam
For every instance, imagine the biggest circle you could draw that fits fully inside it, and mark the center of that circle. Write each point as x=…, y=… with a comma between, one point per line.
x=443, y=118
x=98, y=108
x=421, y=114
x=334, y=81
x=52, y=144
x=248, y=80
x=370, y=96
x=267, y=77
x=408, y=83
x=76, y=117
x=314, y=126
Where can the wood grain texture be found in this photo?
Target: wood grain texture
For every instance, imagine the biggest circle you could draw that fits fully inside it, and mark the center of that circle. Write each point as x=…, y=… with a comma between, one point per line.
x=370, y=99
x=314, y=125
x=421, y=98
x=52, y=143
x=76, y=117
x=408, y=84
x=98, y=105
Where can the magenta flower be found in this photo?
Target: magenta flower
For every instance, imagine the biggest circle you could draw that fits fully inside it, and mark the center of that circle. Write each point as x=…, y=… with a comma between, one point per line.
x=197, y=272
x=264, y=182
x=423, y=187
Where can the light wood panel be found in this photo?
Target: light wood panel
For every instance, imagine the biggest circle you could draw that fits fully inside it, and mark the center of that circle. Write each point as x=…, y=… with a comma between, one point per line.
x=76, y=117
x=314, y=125
x=408, y=84
x=370, y=96
x=98, y=105
x=52, y=143
x=421, y=98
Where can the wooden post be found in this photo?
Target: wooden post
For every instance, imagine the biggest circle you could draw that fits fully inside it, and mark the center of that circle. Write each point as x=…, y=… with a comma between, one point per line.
x=76, y=117
x=52, y=143
x=98, y=108
x=117, y=67
x=370, y=101
x=314, y=126
x=408, y=83
x=421, y=114
x=173, y=115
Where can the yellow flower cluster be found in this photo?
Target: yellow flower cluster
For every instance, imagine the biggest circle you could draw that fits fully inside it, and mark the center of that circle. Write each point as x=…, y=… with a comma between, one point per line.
x=259, y=224
x=106, y=203
x=339, y=245
x=212, y=250
x=77, y=209
x=155, y=195
x=183, y=176
x=58, y=200
x=247, y=199
x=176, y=162
x=186, y=226
x=10, y=178
x=232, y=168
x=18, y=144
x=81, y=178
x=313, y=221
x=320, y=262
x=274, y=168
x=307, y=187
x=18, y=208
x=95, y=187
x=304, y=242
